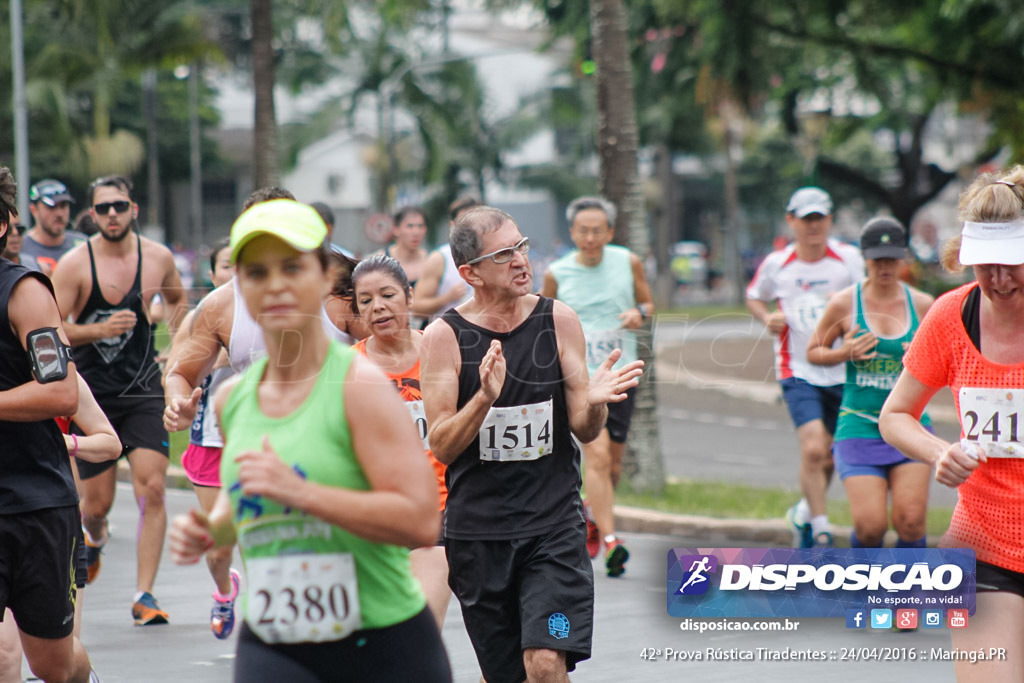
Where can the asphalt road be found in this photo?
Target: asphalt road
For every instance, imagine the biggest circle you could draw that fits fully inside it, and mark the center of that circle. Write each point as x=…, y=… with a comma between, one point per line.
x=722, y=416
x=630, y=619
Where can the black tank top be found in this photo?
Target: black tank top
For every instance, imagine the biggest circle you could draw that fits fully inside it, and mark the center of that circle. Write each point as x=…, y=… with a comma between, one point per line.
x=124, y=365
x=36, y=470
x=492, y=493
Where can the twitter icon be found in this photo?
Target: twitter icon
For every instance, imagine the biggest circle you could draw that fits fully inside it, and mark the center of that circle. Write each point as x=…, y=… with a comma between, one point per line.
x=881, y=618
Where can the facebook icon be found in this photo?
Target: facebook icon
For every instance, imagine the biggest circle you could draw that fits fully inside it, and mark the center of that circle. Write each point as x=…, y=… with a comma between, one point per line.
x=855, y=618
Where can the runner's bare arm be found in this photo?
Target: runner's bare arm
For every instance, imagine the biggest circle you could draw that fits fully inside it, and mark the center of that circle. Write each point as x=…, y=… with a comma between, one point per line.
x=426, y=301
x=899, y=423
x=192, y=534
x=775, y=321
x=401, y=506
x=193, y=355
x=451, y=431
x=550, y=286
x=31, y=307
x=587, y=397
x=835, y=323
x=99, y=442
x=174, y=296
x=922, y=302
x=634, y=317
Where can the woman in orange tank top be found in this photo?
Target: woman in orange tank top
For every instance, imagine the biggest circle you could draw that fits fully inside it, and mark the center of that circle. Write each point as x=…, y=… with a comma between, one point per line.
x=382, y=295
x=970, y=342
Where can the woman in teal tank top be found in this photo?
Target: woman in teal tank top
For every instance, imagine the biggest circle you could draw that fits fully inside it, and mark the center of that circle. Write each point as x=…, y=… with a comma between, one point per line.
x=321, y=489
x=868, y=327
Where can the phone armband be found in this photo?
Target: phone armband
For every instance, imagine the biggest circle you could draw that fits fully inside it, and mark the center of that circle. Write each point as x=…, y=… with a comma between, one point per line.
x=47, y=354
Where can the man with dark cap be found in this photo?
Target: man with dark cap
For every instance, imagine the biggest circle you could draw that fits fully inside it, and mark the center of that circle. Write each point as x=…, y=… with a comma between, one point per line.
x=50, y=238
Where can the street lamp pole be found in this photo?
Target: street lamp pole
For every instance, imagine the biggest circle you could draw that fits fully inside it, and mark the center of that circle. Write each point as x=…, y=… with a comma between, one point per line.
x=21, y=166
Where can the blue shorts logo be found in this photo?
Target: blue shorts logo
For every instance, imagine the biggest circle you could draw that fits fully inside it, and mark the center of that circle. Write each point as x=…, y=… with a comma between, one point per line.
x=558, y=625
x=696, y=570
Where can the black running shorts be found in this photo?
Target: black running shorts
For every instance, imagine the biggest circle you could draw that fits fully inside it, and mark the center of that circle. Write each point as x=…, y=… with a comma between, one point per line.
x=37, y=569
x=533, y=592
x=993, y=579
x=620, y=415
x=139, y=423
x=408, y=651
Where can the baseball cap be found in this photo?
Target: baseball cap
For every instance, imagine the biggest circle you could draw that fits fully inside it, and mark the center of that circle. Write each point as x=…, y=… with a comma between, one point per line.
x=297, y=224
x=883, y=237
x=1001, y=243
x=808, y=200
x=50, y=192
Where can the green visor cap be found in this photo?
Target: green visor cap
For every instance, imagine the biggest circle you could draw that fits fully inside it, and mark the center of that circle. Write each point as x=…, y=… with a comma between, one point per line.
x=293, y=222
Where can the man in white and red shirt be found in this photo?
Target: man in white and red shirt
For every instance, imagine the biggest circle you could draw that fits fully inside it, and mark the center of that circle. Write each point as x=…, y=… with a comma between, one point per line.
x=799, y=279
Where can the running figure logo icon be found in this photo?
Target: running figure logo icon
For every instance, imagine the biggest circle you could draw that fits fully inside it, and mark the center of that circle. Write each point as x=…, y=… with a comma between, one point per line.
x=558, y=625
x=695, y=582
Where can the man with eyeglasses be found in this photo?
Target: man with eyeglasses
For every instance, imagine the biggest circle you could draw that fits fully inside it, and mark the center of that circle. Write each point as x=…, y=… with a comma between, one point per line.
x=505, y=387
x=15, y=240
x=606, y=286
x=104, y=290
x=49, y=239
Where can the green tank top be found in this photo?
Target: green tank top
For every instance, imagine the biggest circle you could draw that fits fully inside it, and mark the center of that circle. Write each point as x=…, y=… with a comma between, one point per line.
x=869, y=382
x=598, y=294
x=315, y=441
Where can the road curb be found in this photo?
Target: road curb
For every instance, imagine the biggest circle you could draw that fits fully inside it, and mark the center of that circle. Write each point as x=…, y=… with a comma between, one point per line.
x=712, y=531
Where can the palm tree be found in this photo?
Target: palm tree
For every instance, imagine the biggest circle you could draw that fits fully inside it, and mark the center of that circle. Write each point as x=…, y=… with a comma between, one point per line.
x=94, y=46
x=264, y=143
x=619, y=181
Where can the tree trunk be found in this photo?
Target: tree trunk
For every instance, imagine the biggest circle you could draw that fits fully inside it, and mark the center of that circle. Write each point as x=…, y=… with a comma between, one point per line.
x=619, y=181
x=264, y=156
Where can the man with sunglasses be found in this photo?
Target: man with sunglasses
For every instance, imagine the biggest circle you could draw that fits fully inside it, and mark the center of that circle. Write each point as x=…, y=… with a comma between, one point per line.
x=606, y=286
x=505, y=388
x=49, y=239
x=104, y=290
x=15, y=240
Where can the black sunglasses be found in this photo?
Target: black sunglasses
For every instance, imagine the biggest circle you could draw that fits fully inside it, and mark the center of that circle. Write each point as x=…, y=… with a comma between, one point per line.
x=119, y=206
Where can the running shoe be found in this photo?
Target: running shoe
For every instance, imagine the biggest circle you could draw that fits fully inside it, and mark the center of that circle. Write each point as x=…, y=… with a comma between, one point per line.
x=823, y=539
x=92, y=557
x=615, y=558
x=593, y=535
x=222, y=615
x=802, y=537
x=146, y=611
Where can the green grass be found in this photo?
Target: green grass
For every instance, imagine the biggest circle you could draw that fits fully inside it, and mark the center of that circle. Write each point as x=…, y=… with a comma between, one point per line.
x=178, y=441
x=717, y=499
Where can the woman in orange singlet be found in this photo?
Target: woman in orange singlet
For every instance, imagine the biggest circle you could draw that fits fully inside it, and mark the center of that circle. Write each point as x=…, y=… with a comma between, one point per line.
x=382, y=295
x=970, y=341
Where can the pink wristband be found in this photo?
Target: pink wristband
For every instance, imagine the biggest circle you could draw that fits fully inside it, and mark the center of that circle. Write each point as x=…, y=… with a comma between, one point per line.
x=74, y=451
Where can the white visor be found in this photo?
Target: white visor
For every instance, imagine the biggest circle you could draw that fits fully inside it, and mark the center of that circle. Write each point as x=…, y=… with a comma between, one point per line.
x=1001, y=243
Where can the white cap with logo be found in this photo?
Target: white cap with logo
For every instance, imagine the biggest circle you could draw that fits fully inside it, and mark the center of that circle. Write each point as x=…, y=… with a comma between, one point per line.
x=808, y=200
x=1001, y=243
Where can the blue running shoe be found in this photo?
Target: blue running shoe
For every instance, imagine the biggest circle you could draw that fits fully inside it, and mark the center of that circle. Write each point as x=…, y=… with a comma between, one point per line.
x=222, y=615
x=802, y=536
x=146, y=611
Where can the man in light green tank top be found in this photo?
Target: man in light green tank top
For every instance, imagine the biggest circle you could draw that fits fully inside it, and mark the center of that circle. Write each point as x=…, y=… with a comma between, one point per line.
x=605, y=285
